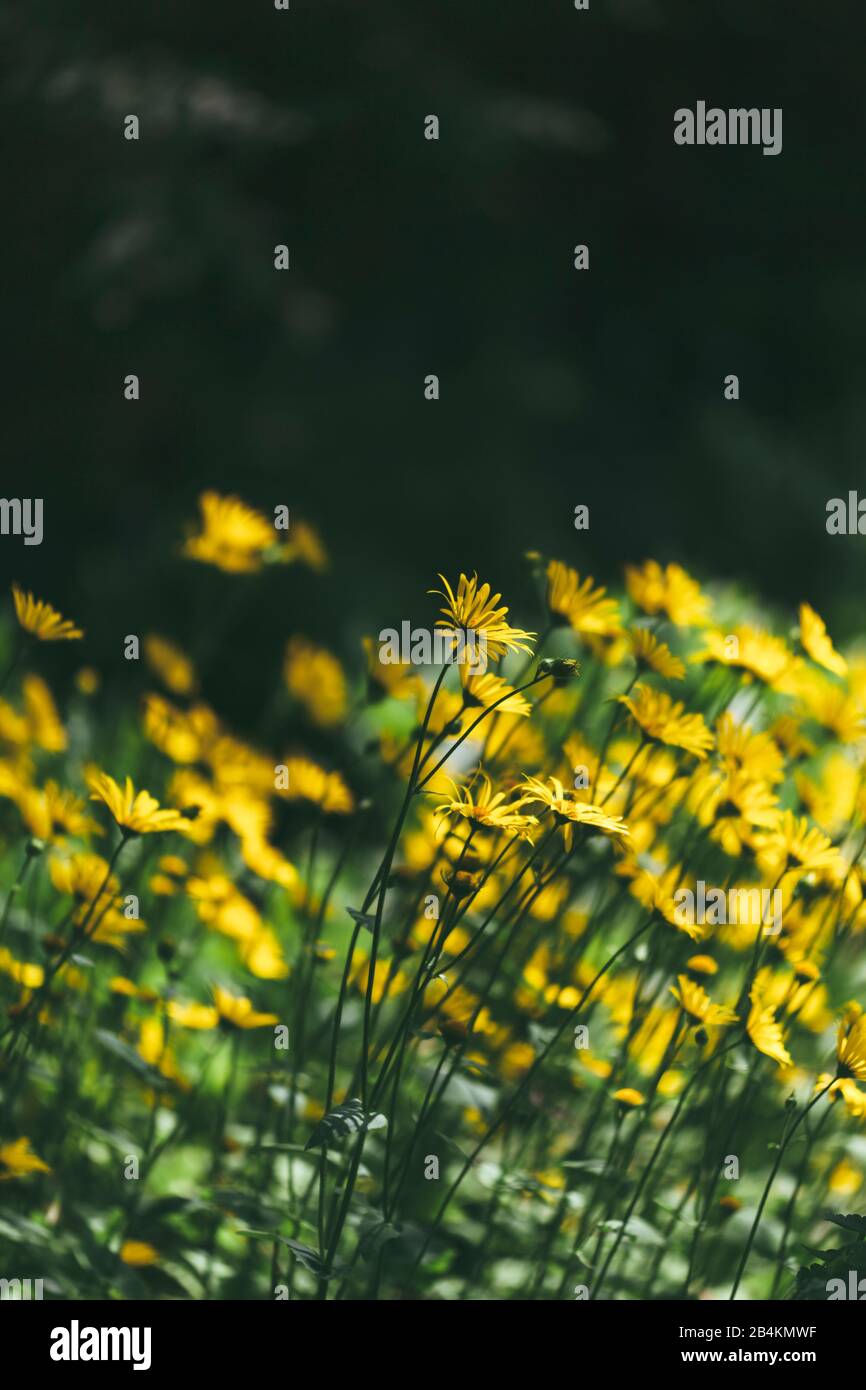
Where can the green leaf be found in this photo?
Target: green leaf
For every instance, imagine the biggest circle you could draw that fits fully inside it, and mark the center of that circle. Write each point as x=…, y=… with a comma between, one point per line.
x=635, y=1229
x=364, y=918
x=374, y=1232
x=348, y=1118
x=305, y=1254
x=848, y=1223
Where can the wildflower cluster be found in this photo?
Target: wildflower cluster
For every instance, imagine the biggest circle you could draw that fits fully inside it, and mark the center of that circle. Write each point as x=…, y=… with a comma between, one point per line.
x=401, y=999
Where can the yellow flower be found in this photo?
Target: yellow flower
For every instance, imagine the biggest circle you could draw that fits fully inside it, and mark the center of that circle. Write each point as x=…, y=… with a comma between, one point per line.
x=485, y=690
x=795, y=847
x=153, y=1049
x=305, y=544
x=488, y=810
x=44, y=722
x=185, y=736
x=657, y=656
x=193, y=1015
x=267, y=861
x=263, y=956
x=385, y=977
x=813, y=635
x=137, y=813
x=173, y=666
x=315, y=677
x=751, y=650
x=20, y=1161
x=828, y=704
x=238, y=1011
x=309, y=782
x=831, y=797
x=762, y=1027
x=853, y=1097
x=83, y=877
x=627, y=1095
x=568, y=811
x=516, y=1060
x=696, y=1002
x=51, y=812
x=584, y=608
x=476, y=608
x=703, y=965
x=851, y=1046
x=670, y=590
x=662, y=719
x=757, y=755
x=138, y=1252
x=734, y=806
x=396, y=679
x=845, y=1179
x=41, y=620
x=87, y=680
x=30, y=976
x=233, y=536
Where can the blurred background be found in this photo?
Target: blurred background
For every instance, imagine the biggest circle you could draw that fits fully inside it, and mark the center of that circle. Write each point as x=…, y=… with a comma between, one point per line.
x=411, y=257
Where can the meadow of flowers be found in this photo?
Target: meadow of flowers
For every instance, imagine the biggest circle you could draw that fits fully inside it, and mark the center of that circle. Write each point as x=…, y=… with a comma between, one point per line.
x=397, y=998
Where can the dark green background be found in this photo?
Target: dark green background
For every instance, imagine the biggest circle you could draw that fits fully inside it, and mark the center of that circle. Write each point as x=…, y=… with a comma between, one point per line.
x=409, y=257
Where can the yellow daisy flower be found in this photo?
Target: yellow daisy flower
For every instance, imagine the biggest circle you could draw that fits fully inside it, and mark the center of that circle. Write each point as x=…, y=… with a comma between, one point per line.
x=654, y=655
x=136, y=813
x=487, y=809
x=752, y=650
x=661, y=719
x=477, y=609
x=233, y=536
x=20, y=1161
x=762, y=1026
x=582, y=607
x=41, y=620
x=795, y=847
x=568, y=811
x=316, y=679
x=238, y=1012
x=172, y=665
x=851, y=1046
x=814, y=637
x=482, y=691
x=670, y=590
x=309, y=782
x=696, y=1002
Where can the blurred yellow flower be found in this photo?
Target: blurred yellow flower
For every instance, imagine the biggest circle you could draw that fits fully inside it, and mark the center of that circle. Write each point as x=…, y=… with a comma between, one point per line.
x=627, y=1095
x=306, y=781
x=654, y=655
x=43, y=721
x=41, y=620
x=584, y=608
x=170, y=663
x=232, y=536
x=695, y=1000
x=670, y=590
x=664, y=720
x=138, y=1253
x=763, y=1028
x=19, y=1160
x=851, y=1046
x=316, y=679
x=813, y=635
